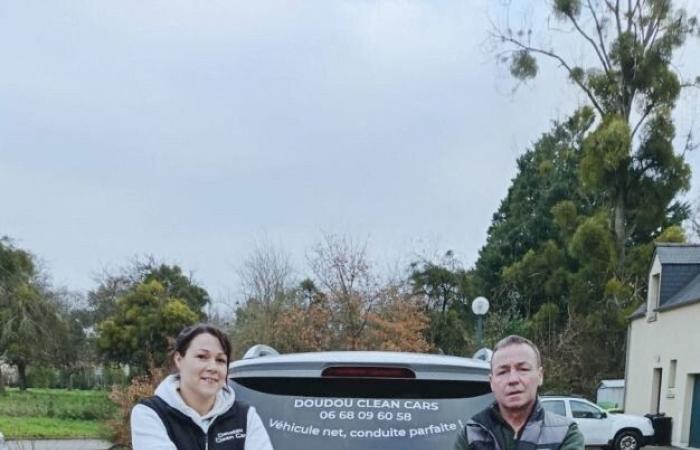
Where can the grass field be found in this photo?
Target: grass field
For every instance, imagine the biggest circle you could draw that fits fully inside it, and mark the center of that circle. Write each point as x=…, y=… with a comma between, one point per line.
x=54, y=413
x=50, y=428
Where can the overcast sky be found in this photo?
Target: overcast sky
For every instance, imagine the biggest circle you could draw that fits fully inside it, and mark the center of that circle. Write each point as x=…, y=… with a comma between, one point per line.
x=188, y=130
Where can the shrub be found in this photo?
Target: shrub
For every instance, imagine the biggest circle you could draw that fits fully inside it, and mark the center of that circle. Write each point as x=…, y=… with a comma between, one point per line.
x=125, y=398
x=41, y=377
x=112, y=376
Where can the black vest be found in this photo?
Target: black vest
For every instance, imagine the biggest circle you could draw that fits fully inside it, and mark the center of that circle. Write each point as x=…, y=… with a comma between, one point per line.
x=543, y=431
x=226, y=432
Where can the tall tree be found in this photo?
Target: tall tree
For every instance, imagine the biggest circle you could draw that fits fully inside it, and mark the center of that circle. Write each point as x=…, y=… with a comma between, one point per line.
x=70, y=348
x=177, y=284
x=551, y=265
x=547, y=175
x=631, y=84
x=25, y=311
x=140, y=332
x=446, y=288
x=576, y=280
x=114, y=284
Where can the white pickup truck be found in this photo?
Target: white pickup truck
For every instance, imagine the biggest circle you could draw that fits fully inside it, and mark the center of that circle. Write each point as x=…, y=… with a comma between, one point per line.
x=599, y=428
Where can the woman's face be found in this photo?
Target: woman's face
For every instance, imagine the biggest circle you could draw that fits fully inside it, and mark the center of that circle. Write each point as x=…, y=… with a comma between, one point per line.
x=203, y=367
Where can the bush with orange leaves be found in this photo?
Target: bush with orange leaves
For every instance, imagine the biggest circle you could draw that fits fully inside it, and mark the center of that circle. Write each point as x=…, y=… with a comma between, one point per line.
x=125, y=398
x=344, y=306
x=397, y=323
x=395, y=320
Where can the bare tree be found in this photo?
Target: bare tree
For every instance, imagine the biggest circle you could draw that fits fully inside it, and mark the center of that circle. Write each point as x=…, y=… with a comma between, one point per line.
x=341, y=268
x=266, y=274
x=266, y=285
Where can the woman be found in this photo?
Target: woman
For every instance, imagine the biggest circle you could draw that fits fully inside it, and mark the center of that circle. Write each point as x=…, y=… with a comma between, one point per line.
x=194, y=408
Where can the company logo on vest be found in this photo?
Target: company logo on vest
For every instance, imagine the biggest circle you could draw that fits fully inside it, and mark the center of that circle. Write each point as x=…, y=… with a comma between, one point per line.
x=236, y=433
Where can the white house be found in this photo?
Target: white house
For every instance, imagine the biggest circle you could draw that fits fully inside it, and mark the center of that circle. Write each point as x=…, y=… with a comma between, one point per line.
x=662, y=374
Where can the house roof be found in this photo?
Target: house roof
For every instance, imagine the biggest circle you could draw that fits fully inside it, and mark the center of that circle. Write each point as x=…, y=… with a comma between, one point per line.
x=639, y=312
x=690, y=293
x=678, y=253
x=604, y=384
x=671, y=253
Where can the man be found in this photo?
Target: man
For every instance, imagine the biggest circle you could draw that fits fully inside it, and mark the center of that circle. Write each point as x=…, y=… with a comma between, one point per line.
x=516, y=420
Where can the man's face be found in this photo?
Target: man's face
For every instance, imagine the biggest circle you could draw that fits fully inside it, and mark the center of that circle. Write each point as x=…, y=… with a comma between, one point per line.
x=515, y=376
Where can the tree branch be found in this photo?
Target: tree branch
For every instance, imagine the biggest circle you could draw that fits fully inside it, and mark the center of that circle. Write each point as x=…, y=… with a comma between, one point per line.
x=653, y=38
x=631, y=12
x=561, y=61
x=690, y=144
x=647, y=111
x=615, y=9
x=599, y=29
x=591, y=41
x=652, y=29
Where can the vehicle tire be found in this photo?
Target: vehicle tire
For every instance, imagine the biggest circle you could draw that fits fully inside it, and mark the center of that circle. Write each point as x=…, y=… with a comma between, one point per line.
x=628, y=440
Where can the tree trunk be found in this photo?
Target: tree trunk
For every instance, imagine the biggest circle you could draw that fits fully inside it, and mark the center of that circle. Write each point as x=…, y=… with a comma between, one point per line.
x=620, y=230
x=22, y=375
x=2, y=382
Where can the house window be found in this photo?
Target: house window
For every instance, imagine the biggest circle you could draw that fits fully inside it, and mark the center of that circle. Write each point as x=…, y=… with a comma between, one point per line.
x=654, y=292
x=672, y=373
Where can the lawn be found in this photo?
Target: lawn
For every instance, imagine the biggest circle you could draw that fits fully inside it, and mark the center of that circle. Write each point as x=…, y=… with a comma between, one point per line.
x=54, y=413
x=50, y=428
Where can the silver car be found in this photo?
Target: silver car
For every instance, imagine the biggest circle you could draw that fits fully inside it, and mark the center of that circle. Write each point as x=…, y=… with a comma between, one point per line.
x=361, y=400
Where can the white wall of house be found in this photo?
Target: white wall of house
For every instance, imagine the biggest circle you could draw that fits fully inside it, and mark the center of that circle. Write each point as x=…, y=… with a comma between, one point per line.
x=674, y=335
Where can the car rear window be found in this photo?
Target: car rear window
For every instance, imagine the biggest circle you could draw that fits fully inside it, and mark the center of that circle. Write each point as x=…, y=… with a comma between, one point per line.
x=367, y=414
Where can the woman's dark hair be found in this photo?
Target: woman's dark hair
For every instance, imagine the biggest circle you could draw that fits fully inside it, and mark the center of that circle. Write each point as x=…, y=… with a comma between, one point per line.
x=184, y=339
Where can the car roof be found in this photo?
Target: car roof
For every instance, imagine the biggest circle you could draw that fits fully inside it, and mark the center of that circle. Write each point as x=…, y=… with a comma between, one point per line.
x=564, y=397
x=425, y=366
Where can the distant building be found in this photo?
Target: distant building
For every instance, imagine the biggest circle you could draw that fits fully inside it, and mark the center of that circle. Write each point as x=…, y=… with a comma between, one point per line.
x=611, y=393
x=9, y=373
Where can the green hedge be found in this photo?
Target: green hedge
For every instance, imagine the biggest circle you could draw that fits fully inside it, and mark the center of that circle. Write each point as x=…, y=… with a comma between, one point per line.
x=45, y=378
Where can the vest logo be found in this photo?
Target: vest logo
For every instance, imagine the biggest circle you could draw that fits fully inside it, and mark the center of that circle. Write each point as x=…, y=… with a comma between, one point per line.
x=236, y=433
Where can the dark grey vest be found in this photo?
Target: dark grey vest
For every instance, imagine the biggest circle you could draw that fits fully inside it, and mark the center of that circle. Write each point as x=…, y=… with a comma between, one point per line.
x=226, y=432
x=543, y=431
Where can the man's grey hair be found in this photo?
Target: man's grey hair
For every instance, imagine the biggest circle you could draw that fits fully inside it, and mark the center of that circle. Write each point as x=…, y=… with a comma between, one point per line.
x=514, y=339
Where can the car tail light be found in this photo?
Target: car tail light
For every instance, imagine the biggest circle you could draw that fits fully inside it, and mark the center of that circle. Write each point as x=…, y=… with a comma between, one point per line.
x=368, y=372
